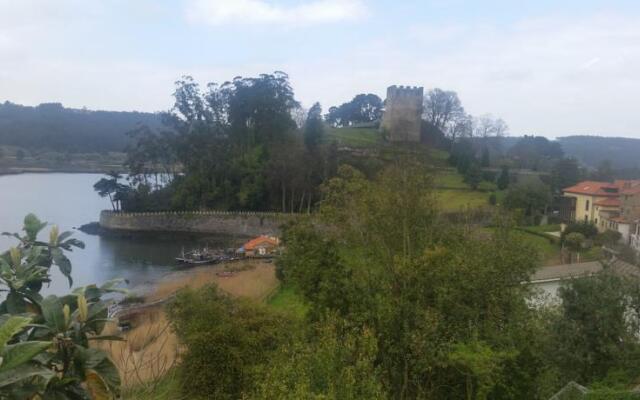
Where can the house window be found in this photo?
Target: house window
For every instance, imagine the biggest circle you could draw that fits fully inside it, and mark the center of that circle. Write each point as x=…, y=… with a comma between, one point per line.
x=586, y=218
x=596, y=221
x=586, y=206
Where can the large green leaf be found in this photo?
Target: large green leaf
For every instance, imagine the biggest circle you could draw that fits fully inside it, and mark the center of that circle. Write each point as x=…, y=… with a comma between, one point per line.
x=63, y=263
x=17, y=354
x=53, y=314
x=32, y=226
x=24, y=371
x=15, y=303
x=12, y=326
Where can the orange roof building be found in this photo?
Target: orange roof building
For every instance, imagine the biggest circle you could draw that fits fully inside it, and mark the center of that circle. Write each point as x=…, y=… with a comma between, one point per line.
x=261, y=246
x=608, y=205
x=594, y=188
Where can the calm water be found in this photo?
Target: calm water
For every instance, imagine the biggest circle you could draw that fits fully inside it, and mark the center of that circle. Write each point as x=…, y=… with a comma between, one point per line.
x=68, y=200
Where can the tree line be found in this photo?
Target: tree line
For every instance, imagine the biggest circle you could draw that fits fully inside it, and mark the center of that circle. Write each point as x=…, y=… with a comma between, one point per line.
x=231, y=146
x=50, y=126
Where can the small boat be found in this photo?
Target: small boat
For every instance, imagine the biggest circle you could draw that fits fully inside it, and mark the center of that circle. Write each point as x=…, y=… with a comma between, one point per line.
x=198, y=257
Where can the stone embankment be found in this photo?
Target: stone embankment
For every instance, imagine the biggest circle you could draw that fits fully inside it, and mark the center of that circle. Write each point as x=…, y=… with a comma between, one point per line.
x=206, y=222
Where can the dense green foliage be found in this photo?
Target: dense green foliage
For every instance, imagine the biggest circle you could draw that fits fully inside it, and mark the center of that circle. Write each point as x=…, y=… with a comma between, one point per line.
x=587, y=229
x=51, y=126
x=401, y=303
x=565, y=172
x=385, y=268
x=238, y=147
x=535, y=152
x=530, y=199
x=44, y=342
x=226, y=342
x=363, y=108
x=596, y=332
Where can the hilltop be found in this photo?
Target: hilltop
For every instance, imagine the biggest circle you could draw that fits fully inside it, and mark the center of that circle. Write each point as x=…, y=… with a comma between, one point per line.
x=52, y=126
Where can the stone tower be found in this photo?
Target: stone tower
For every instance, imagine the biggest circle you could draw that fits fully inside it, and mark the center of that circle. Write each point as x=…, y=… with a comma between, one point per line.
x=402, y=117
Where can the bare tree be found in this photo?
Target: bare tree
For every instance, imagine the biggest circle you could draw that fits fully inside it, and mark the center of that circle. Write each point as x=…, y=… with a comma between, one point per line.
x=441, y=107
x=486, y=125
x=459, y=127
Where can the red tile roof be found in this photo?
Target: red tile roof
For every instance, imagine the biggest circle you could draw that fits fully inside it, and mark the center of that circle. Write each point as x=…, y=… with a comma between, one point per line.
x=608, y=202
x=253, y=243
x=594, y=188
x=630, y=187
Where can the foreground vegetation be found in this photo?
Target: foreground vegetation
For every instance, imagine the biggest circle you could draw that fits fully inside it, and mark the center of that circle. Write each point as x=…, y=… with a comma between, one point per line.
x=384, y=298
x=45, y=341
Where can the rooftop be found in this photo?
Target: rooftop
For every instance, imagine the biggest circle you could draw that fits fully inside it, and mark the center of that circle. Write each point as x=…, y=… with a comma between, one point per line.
x=605, y=189
x=594, y=188
x=608, y=202
x=567, y=271
x=253, y=243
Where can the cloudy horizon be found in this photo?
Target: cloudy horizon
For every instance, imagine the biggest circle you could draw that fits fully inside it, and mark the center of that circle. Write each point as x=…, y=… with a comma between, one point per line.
x=545, y=69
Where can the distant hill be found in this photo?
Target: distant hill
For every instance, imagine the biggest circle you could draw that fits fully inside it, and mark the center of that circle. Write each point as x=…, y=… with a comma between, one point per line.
x=591, y=150
x=52, y=126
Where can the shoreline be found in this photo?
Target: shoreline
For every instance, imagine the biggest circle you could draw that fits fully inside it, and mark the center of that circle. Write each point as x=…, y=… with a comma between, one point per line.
x=242, y=272
x=43, y=170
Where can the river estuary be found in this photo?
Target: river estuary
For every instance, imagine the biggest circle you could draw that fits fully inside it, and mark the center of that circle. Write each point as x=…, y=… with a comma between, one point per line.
x=68, y=200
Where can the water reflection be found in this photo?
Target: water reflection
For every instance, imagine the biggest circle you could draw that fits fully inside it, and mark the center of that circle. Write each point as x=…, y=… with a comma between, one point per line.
x=69, y=201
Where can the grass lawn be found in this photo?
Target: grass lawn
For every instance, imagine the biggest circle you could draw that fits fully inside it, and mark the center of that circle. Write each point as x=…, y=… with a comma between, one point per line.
x=449, y=179
x=355, y=137
x=455, y=200
x=487, y=186
x=549, y=252
x=593, y=254
x=439, y=157
x=286, y=299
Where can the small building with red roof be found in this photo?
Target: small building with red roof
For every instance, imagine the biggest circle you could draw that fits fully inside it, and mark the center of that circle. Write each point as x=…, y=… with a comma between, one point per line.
x=261, y=246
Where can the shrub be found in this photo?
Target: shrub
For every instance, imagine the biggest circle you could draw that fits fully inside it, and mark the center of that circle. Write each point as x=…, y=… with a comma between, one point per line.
x=587, y=229
x=226, y=340
x=608, y=238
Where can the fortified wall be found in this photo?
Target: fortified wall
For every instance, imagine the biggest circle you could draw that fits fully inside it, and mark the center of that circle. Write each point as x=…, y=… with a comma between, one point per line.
x=402, y=118
x=213, y=222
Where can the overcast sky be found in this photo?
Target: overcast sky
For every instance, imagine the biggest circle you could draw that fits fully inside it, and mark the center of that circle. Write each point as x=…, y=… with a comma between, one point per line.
x=545, y=68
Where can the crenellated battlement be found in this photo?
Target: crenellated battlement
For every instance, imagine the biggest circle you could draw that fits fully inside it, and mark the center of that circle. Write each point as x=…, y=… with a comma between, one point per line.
x=405, y=91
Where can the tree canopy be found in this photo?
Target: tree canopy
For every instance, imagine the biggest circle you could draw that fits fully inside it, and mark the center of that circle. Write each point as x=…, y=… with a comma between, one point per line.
x=363, y=108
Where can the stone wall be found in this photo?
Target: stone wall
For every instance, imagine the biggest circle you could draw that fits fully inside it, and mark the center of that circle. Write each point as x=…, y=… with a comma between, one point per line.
x=402, y=119
x=213, y=222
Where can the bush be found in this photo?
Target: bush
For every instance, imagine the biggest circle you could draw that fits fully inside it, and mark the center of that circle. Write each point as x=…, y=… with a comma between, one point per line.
x=587, y=229
x=226, y=341
x=608, y=238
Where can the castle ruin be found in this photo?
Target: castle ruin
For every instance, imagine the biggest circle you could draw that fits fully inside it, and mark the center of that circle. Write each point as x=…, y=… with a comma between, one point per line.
x=402, y=117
